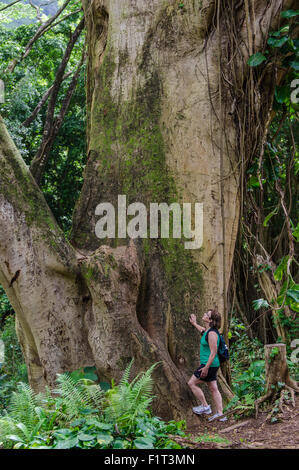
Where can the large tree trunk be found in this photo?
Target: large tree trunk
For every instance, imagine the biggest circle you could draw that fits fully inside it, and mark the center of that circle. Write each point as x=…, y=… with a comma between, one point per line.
x=156, y=118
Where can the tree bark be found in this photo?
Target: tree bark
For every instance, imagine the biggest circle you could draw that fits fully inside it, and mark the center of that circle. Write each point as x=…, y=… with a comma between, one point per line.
x=72, y=310
x=160, y=129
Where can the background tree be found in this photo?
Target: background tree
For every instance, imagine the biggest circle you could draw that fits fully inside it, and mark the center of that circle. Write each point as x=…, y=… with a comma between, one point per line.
x=266, y=256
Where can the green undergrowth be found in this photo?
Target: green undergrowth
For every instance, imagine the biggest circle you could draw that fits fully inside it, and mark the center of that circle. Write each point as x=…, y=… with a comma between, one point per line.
x=208, y=437
x=248, y=370
x=12, y=365
x=80, y=413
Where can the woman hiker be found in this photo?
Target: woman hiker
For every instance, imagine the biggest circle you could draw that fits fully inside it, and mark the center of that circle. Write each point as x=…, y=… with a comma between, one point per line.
x=209, y=365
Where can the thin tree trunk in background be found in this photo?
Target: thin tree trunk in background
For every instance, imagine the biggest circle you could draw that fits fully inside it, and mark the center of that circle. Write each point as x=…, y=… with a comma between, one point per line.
x=52, y=125
x=277, y=373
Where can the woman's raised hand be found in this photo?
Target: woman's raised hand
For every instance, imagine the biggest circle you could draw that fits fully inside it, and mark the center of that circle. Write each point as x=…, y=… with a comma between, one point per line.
x=192, y=319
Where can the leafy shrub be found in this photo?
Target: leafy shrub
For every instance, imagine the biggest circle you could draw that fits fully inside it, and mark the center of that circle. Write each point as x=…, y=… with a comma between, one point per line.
x=5, y=307
x=13, y=369
x=248, y=368
x=75, y=398
x=24, y=417
x=80, y=414
x=127, y=401
x=243, y=350
x=251, y=381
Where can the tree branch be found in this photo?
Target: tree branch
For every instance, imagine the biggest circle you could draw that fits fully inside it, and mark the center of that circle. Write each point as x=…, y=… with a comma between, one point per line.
x=51, y=26
x=41, y=30
x=10, y=5
x=39, y=170
x=37, y=8
x=37, y=109
x=68, y=96
x=40, y=274
x=39, y=161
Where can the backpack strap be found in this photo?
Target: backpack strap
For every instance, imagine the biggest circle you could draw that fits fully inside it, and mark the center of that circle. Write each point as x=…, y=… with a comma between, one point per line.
x=211, y=329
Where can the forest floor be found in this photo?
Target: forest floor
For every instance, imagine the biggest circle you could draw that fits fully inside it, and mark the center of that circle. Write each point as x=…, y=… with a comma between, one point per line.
x=248, y=433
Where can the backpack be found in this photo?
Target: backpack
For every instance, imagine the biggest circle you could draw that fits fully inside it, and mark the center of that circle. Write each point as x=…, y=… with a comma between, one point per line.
x=223, y=352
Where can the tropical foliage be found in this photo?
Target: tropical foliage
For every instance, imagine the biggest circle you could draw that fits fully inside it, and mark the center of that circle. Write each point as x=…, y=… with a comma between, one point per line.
x=80, y=414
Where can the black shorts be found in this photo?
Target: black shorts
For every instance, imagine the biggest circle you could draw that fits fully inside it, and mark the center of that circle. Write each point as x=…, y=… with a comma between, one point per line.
x=212, y=373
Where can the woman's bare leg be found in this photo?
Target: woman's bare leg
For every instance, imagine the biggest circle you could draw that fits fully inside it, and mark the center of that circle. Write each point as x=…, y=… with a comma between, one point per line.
x=197, y=391
x=216, y=396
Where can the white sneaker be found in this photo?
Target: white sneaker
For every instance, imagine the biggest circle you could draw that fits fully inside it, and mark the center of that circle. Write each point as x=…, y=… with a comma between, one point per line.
x=217, y=415
x=202, y=410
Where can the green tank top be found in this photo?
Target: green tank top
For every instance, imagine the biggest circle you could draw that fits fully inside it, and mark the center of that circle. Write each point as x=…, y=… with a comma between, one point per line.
x=205, y=351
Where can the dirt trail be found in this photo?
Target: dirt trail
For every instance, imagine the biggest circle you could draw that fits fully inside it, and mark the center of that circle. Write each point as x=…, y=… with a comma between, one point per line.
x=253, y=434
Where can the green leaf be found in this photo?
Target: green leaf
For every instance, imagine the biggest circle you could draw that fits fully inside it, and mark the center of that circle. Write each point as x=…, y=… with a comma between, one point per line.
x=86, y=437
x=294, y=306
x=23, y=428
x=281, y=269
x=260, y=303
x=19, y=445
x=283, y=29
x=105, y=386
x=295, y=64
x=104, y=439
x=119, y=444
x=274, y=212
x=90, y=373
x=13, y=437
x=282, y=93
x=294, y=294
x=77, y=422
x=253, y=182
x=143, y=443
x=289, y=13
x=77, y=374
x=295, y=232
x=63, y=433
x=260, y=364
x=256, y=59
x=103, y=426
x=67, y=443
x=277, y=42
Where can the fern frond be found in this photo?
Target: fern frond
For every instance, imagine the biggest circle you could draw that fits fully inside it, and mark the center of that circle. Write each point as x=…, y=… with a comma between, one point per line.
x=142, y=388
x=128, y=400
x=93, y=394
x=126, y=374
x=74, y=396
x=22, y=406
